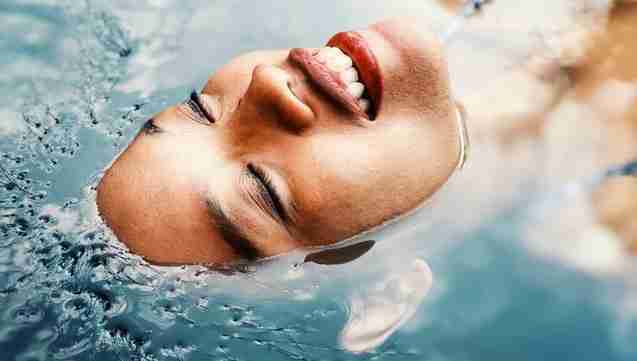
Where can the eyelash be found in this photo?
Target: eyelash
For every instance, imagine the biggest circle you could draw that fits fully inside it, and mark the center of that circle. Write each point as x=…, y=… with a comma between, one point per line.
x=150, y=128
x=196, y=106
x=270, y=190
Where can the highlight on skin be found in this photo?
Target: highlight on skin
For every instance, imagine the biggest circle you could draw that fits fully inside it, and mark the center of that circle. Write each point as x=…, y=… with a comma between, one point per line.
x=289, y=148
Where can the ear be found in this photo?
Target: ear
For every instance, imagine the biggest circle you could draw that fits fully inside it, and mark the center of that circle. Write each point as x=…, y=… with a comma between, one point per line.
x=375, y=314
x=340, y=255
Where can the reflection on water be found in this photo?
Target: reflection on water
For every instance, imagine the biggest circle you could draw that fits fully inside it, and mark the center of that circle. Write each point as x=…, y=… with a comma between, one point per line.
x=528, y=262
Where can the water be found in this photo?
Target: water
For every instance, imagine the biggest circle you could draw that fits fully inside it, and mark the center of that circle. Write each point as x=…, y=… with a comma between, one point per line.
x=519, y=275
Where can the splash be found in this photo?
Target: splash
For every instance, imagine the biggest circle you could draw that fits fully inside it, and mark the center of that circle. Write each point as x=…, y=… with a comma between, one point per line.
x=70, y=291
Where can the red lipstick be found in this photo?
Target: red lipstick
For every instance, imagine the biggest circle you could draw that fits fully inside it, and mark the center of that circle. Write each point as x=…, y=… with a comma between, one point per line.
x=354, y=46
x=357, y=48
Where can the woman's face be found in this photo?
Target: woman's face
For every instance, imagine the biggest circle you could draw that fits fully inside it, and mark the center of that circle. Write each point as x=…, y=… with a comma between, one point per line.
x=279, y=151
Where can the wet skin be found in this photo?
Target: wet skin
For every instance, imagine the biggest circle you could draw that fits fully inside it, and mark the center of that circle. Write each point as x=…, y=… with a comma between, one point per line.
x=271, y=163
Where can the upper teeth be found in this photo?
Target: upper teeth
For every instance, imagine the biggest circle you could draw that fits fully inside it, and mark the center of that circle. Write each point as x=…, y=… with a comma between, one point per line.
x=349, y=76
x=356, y=89
x=337, y=61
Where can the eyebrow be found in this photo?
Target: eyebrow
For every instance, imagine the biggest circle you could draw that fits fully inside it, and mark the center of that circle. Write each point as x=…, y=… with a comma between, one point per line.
x=149, y=127
x=231, y=233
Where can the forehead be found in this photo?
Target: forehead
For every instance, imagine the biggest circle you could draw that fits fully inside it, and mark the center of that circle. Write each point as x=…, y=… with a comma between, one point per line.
x=157, y=204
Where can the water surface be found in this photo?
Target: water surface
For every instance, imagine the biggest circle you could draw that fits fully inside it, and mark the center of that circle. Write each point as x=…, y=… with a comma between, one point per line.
x=522, y=267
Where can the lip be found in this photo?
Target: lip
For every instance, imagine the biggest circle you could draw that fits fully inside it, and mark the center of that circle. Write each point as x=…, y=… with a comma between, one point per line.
x=357, y=48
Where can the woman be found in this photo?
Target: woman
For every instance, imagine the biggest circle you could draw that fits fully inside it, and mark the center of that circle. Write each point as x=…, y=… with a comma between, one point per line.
x=287, y=149
x=306, y=147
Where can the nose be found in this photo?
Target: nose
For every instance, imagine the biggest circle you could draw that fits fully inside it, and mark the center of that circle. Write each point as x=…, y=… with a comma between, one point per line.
x=270, y=92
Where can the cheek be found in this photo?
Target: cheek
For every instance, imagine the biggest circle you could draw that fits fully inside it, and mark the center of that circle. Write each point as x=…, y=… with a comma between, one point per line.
x=347, y=174
x=385, y=151
x=403, y=161
x=230, y=85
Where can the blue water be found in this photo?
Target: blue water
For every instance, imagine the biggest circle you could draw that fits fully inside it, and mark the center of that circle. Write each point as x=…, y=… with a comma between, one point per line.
x=79, y=78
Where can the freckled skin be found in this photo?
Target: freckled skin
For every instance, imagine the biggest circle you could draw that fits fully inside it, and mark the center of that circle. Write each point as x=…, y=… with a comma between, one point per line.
x=344, y=174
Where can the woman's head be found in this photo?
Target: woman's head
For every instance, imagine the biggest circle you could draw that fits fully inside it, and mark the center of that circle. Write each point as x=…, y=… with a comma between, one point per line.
x=275, y=153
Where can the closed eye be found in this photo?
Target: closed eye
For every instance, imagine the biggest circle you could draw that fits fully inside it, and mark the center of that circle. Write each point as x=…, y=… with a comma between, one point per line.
x=196, y=106
x=268, y=192
x=150, y=128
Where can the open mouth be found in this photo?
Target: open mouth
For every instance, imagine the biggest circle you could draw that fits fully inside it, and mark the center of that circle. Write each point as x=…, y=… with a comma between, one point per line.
x=346, y=70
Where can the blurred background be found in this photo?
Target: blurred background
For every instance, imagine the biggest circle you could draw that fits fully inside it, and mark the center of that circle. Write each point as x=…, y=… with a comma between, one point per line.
x=532, y=250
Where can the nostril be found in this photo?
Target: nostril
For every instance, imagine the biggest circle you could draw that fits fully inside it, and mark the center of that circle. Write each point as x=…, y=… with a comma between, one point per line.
x=291, y=85
x=279, y=93
x=270, y=80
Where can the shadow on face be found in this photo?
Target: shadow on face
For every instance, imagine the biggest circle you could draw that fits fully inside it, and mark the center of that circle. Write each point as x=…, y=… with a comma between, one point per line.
x=278, y=153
